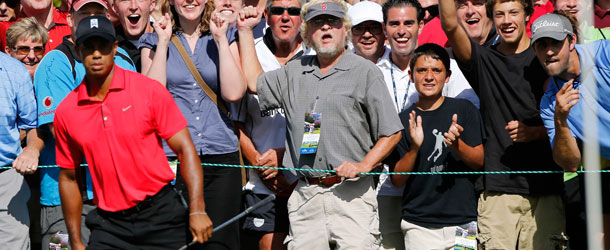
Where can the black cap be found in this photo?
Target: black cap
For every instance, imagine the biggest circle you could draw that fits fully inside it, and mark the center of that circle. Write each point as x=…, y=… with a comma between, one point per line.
x=95, y=26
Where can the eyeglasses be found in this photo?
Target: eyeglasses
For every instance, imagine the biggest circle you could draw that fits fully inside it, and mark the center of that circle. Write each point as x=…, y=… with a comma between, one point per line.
x=331, y=21
x=360, y=29
x=293, y=11
x=25, y=50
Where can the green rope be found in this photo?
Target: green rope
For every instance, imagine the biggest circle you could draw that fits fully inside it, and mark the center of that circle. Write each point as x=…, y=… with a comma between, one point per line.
x=375, y=173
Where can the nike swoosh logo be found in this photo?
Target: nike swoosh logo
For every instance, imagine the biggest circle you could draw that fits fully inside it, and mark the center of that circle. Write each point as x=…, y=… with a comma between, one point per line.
x=126, y=108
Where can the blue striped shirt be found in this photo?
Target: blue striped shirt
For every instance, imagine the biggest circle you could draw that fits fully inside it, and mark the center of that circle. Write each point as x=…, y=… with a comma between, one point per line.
x=17, y=106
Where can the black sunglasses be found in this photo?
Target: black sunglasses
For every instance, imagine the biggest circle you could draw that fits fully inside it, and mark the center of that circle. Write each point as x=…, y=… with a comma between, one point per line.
x=11, y=3
x=432, y=9
x=293, y=11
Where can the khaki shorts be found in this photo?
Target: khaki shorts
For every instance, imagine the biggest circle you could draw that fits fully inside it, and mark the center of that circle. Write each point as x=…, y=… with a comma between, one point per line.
x=343, y=216
x=513, y=221
x=418, y=237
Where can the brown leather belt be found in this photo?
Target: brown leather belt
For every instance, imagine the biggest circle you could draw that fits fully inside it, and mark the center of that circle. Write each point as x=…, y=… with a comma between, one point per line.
x=325, y=181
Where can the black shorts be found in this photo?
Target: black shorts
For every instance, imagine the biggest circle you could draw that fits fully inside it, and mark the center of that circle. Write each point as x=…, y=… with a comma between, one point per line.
x=272, y=217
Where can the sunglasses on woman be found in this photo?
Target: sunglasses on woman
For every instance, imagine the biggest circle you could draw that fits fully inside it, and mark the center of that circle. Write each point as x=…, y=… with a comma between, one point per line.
x=25, y=50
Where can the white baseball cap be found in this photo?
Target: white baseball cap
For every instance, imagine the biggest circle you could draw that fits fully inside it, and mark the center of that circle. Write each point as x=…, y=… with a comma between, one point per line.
x=365, y=11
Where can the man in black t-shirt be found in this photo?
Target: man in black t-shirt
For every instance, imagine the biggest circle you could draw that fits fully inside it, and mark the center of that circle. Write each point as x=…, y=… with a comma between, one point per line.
x=524, y=210
x=435, y=205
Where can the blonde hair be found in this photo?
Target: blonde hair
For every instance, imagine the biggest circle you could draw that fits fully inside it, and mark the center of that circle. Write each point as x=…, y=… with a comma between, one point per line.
x=347, y=22
x=26, y=28
x=205, y=16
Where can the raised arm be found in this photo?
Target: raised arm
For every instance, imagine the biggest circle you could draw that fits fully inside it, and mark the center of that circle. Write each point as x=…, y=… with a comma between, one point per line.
x=566, y=152
x=459, y=40
x=248, y=18
x=192, y=173
x=233, y=85
x=154, y=63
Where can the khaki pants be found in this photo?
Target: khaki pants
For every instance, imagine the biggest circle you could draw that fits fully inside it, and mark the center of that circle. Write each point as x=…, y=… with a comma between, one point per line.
x=390, y=216
x=343, y=216
x=418, y=237
x=512, y=221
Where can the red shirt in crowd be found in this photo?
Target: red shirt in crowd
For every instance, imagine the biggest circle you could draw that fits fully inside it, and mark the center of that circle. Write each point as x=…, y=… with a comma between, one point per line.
x=539, y=10
x=433, y=33
x=57, y=31
x=120, y=137
x=601, y=17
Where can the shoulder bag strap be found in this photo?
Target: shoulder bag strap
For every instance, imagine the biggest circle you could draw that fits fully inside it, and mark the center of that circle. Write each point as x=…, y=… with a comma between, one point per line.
x=208, y=91
x=204, y=86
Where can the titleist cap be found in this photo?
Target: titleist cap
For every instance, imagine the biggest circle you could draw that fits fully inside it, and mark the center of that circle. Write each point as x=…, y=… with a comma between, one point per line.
x=553, y=26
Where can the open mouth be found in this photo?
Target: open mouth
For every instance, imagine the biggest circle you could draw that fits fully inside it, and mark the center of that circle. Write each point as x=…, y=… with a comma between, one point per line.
x=508, y=30
x=133, y=19
x=189, y=7
x=326, y=37
x=402, y=40
x=30, y=63
x=429, y=86
x=472, y=21
x=285, y=28
x=226, y=12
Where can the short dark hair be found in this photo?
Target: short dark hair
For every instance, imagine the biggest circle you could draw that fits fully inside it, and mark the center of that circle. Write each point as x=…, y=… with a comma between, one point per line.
x=402, y=3
x=432, y=50
x=528, y=6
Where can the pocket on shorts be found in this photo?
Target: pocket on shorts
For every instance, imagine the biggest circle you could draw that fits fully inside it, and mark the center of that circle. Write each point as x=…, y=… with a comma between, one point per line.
x=485, y=242
x=558, y=241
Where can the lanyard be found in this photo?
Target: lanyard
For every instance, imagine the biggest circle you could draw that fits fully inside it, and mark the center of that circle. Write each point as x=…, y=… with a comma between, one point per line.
x=404, y=100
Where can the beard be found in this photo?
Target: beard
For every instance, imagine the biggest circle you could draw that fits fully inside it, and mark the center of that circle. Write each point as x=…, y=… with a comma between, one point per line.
x=328, y=51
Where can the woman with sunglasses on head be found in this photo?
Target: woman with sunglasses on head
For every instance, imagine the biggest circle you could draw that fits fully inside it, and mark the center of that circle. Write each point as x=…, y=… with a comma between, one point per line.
x=209, y=44
x=25, y=40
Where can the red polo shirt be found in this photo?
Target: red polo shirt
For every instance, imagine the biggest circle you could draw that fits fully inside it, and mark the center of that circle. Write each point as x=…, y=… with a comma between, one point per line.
x=57, y=31
x=120, y=137
x=433, y=33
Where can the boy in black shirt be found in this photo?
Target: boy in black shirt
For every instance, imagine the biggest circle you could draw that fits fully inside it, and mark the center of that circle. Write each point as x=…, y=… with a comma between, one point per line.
x=434, y=205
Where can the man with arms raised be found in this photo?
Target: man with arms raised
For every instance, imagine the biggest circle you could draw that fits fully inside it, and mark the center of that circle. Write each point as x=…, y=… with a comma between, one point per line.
x=509, y=81
x=355, y=128
x=116, y=118
x=263, y=134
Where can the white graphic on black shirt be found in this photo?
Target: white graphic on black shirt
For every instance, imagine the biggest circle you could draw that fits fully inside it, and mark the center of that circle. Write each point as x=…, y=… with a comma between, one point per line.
x=438, y=145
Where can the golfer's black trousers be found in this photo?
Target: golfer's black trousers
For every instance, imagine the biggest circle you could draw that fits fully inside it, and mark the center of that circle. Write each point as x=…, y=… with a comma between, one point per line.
x=158, y=222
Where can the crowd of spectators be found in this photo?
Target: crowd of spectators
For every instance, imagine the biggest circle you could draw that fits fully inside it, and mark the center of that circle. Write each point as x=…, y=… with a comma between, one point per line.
x=142, y=91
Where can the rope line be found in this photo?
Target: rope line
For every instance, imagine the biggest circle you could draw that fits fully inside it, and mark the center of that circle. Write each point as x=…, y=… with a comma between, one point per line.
x=374, y=173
